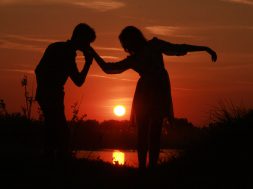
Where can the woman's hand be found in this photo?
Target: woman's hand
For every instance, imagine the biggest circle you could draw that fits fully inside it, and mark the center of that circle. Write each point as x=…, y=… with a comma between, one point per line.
x=212, y=53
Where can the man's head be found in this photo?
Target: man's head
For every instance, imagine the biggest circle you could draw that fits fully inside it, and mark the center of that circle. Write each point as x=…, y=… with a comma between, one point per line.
x=82, y=36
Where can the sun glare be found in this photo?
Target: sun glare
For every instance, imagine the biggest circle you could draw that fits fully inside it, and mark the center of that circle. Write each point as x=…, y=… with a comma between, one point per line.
x=118, y=158
x=119, y=110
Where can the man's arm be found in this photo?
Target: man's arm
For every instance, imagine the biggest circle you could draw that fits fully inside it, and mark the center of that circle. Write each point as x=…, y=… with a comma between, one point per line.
x=79, y=77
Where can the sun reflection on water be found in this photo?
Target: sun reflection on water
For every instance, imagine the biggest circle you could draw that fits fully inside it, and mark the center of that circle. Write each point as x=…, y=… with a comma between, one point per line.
x=118, y=157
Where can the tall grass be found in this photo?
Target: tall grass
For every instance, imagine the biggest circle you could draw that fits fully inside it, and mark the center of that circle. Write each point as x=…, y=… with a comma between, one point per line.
x=29, y=99
x=227, y=113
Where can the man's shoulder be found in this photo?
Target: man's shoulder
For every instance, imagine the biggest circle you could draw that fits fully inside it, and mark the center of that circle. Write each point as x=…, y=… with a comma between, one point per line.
x=57, y=44
x=61, y=46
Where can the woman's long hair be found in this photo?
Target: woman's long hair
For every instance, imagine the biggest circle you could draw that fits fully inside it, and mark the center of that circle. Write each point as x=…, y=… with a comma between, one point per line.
x=132, y=39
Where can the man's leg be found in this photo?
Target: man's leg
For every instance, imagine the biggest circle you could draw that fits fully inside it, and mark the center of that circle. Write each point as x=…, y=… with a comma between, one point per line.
x=49, y=130
x=62, y=135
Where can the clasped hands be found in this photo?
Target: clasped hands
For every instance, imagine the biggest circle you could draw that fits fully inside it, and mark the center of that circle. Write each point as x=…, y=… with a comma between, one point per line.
x=88, y=54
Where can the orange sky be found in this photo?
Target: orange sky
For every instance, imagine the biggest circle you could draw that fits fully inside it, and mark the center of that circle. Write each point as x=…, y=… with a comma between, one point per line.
x=28, y=26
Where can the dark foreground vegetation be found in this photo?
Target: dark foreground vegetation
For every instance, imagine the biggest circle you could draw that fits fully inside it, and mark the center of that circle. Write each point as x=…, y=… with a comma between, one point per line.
x=217, y=156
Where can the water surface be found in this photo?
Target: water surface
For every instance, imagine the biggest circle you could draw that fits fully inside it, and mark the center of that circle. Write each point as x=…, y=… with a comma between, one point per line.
x=125, y=157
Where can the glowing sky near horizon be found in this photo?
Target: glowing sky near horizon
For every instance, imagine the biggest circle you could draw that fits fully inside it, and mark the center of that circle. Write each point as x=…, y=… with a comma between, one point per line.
x=27, y=27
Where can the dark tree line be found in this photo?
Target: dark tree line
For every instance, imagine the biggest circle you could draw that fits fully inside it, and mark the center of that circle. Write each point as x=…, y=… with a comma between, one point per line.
x=16, y=131
x=91, y=134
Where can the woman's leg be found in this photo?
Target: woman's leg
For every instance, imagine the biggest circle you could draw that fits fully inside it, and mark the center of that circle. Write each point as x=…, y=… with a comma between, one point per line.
x=154, y=141
x=142, y=141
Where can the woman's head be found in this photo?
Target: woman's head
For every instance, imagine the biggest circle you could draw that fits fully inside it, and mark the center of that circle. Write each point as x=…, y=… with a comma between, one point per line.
x=132, y=39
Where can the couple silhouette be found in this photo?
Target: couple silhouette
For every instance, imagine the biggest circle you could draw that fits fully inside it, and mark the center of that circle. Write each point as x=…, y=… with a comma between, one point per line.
x=152, y=101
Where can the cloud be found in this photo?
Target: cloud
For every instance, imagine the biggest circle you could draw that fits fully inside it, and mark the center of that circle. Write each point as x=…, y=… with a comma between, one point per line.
x=113, y=78
x=24, y=2
x=27, y=38
x=26, y=71
x=175, y=31
x=245, y=2
x=162, y=30
x=101, y=6
x=13, y=41
x=80, y=58
x=5, y=44
x=108, y=48
x=110, y=57
x=178, y=31
x=230, y=27
x=17, y=41
x=21, y=42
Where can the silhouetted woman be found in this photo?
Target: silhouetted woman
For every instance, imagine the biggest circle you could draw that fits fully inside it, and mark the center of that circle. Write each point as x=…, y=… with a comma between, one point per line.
x=152, y=99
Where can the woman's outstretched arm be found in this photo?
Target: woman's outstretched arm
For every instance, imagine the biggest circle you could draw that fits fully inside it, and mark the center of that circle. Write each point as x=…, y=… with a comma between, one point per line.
x=110, y=68
x=195, y=48
x=182, y=49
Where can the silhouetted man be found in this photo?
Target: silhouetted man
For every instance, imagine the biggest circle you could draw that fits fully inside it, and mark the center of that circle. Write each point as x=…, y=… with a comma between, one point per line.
x=56, y=65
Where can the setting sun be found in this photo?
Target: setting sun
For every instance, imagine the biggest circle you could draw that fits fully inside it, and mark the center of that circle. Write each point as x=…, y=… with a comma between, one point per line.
x=119, y=110
x=118, y=158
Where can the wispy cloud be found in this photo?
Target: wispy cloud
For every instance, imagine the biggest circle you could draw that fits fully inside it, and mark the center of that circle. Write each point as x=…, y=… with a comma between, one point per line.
x=25, y=42
x=22, y=42
x=5, y=44
x=26, y=71
x=110, y=57
x=245, y=2
x=230, y=27
x=97, y=5
x=180, y=31
x=26, y=2
x=81, y=59
x=28, y=38
x=108, y=48
x=101, y=6
x=175, y=31
x=113, y=78
x=162, y=30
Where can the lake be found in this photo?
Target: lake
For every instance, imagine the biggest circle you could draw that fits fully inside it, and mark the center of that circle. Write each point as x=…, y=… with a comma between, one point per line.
x=123, y=157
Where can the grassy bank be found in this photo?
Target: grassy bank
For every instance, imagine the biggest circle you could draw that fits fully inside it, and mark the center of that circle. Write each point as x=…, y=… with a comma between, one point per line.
x=221, y=157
